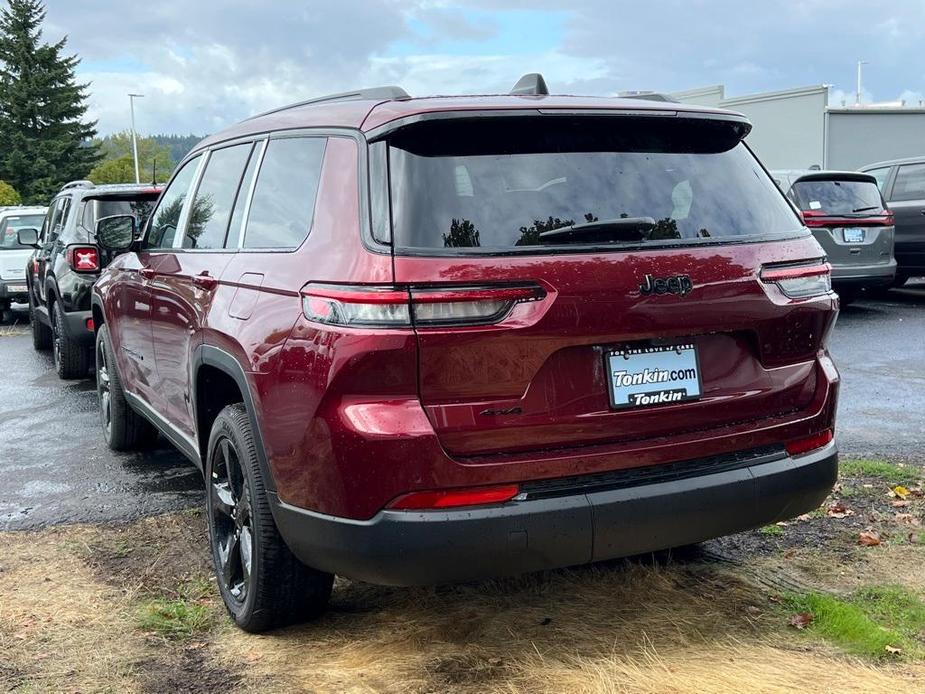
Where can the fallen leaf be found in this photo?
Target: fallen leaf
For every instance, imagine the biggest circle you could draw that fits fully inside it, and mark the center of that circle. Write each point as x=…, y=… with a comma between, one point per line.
x=869, y=538
x=839, y=510
x=899, y=491
x=804, y=517
x=801, y=620
x=916, y=493
x=907, y=519
x=790, y=553
x=899, y=503
x=753, y=609
x=892, y=650
x=774, y=598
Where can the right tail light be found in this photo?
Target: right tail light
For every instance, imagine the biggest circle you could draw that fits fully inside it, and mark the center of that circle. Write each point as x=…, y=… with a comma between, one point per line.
x=800, y=281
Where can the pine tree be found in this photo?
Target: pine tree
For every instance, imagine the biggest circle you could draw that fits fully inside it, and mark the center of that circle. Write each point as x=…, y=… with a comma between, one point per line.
x=46, y=139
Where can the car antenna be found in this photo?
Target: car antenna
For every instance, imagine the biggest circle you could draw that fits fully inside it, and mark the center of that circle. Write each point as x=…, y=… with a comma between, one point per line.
x=154, y=171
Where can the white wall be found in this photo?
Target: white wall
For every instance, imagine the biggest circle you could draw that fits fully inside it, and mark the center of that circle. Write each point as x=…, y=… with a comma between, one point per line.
x=858, y=137
x=788, y=127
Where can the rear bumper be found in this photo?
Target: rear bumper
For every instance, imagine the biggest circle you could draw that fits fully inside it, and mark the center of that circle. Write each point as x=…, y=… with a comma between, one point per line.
x=75, y=327
x=861, y=276
x=419, y=548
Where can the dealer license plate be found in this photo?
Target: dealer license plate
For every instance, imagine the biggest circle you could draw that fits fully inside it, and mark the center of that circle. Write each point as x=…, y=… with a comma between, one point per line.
x=644, y=376
x=16, y=288
x=853, y=235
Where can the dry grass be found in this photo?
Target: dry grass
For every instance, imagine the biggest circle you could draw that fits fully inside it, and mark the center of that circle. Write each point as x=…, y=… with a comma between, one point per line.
x=69, y=601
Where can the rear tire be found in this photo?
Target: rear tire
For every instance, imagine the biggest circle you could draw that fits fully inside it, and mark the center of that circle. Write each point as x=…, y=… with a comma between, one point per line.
x=72, y=360
x=123, y=428
x=41, y=333
x=261, y=582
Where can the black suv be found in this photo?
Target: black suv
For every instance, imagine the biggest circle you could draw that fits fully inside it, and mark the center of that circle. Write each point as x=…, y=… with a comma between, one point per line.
x=67, y=262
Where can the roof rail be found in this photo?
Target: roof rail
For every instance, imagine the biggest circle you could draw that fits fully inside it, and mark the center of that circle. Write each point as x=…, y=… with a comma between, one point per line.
x=532, y=83
x=646, y=96
x=78, y=184
x=388, y=93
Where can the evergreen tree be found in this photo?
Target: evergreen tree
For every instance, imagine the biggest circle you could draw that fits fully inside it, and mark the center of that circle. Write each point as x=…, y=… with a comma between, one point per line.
x=46, y=139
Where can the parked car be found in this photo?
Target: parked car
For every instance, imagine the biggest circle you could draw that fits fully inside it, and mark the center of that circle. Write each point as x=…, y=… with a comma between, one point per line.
x=850, y=220
x=13, y=255
x=412, y=341
x=903, y=184
x=67, y=262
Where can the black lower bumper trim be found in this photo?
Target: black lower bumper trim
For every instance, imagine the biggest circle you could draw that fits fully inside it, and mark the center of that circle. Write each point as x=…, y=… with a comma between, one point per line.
x=419, y=548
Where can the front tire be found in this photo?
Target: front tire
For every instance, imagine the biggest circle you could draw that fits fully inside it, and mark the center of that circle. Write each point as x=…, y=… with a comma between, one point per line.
x=123, y=428
x=71, y=359
x=261, y=582
x=41, y=333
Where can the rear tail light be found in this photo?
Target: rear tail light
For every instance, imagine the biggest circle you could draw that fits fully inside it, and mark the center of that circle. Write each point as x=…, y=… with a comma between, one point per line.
x=454, y=498
x=388, y=306
x=83, y=258
x=810, y=443
x=816, y=218
x=90, y=324
x=800, y=281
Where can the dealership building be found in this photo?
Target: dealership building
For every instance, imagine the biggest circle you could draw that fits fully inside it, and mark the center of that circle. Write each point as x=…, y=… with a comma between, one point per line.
x=796, y=129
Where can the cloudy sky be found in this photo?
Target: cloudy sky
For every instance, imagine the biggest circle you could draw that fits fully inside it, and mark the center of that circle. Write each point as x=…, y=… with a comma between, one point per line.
x=203, y=64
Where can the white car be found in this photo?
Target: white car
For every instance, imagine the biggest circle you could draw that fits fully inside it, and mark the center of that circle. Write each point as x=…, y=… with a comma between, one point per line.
x=14, y=257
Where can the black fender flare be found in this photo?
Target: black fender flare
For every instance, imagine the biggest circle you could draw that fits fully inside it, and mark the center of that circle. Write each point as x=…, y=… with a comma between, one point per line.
x=209, y=355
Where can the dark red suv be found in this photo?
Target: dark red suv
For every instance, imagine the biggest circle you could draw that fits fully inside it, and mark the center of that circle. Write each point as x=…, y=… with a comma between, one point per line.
x=411, y=341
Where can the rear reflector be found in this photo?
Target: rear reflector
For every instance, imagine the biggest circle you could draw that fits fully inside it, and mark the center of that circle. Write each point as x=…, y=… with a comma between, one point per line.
x=810, y=443
x=83, y=258
x=799, y=281
x=453, y=498
x=389, y=306
x=90, y=324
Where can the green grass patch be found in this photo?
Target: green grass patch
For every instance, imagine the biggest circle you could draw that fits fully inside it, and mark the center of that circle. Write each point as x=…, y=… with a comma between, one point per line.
x=881, y=469
x=180, y=614
x=771, y=530
x=868, y=621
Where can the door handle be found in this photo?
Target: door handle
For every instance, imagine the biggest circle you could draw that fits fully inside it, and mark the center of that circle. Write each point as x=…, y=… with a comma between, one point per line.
x=147, y=273
x=204, y=281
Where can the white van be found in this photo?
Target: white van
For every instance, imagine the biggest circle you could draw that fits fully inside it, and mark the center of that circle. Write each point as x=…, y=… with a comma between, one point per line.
x=13, y=256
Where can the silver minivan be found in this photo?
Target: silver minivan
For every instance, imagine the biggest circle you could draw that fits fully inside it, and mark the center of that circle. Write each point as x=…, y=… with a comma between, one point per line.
x=850, y=220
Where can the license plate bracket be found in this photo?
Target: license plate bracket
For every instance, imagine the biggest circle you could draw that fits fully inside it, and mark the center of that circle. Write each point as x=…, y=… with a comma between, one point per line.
x=643, y=376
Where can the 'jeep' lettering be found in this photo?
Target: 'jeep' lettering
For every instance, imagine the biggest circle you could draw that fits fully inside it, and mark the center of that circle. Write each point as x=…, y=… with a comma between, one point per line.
x=676, y=284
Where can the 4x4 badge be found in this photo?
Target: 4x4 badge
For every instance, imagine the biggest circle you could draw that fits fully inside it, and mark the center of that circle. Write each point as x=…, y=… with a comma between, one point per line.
x=676, y=284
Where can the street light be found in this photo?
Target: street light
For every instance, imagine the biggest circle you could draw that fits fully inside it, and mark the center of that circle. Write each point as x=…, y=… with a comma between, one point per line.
x=131, y=101
x=857, y=101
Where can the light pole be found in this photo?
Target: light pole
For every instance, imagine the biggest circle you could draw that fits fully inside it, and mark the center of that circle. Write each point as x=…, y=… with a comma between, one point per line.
x=857, y=101
x=131, y=101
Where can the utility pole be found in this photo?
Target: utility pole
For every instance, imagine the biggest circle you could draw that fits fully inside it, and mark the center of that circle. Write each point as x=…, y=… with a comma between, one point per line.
x=131, y=101
x=857, y=101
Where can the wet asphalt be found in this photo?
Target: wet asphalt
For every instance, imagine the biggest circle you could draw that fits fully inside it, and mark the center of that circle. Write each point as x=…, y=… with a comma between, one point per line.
x=55, y=467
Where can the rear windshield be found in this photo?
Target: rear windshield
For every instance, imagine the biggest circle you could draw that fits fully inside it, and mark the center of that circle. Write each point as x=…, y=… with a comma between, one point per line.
x=838, y=197
x=10, y=226
x=97, y=208
x=498, y=185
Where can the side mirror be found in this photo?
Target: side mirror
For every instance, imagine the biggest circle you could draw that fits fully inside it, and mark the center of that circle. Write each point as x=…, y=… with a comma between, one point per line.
x=28, y=236
x=116, y=233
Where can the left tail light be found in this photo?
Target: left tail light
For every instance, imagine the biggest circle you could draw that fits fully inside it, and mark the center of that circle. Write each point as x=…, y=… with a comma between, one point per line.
x=83, y=258
x=800, y=281
x=389, y=306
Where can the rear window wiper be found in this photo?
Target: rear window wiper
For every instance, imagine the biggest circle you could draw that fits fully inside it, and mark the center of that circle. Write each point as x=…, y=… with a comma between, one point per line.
x=867, y=209
x=602, y=231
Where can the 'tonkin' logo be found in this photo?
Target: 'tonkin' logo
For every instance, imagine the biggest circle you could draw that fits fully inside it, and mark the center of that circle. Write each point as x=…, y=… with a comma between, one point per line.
x=676, y=284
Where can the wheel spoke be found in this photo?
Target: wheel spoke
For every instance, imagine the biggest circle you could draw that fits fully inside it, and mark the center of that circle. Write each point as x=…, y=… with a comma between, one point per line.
x=230, y=556
x=222, y=498
x=246, y=546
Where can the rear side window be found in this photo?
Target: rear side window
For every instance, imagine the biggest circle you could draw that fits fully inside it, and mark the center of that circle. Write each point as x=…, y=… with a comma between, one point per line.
x=96, y=208
x=881, y=175
x=283, y=204
x=58, y=220
x=163, y=228
x=503, y=184
x=910, y=183
x=211, y=211
x=837, y=197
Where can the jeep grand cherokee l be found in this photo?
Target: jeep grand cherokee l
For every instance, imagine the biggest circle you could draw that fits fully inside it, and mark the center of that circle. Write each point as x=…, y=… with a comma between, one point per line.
x=411, y=341
x=67, y=262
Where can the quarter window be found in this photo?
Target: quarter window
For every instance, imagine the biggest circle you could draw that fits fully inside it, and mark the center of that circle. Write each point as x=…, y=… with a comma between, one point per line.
x=283, y=205
x=881, y=175
x=910, y=183
x=163, y=228
x=211, y=211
